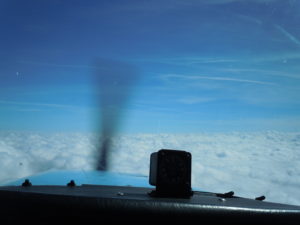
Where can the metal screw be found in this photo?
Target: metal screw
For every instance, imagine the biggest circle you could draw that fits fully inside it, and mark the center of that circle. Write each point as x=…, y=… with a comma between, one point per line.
x=222, y=199
x=26, y=183
x=261, y=198
x=71, y=183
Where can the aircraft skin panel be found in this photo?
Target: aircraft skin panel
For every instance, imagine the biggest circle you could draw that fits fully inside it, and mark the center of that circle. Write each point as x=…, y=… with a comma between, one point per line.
x=98, y=196
x=62, y=177
x=98, y=202
x=202, y=199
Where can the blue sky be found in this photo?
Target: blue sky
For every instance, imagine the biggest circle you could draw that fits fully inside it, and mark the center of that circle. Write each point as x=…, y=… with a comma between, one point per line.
x=215, y=65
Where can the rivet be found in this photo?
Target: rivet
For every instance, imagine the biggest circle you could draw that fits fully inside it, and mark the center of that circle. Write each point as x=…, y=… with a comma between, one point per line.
x=26, y=183
x=120, y=193
x=222, y=199
x=71, y=183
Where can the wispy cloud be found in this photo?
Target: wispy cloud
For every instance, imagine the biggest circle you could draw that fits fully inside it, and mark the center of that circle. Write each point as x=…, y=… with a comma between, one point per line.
x=188, y=61
x=195, y=100
x=265, y=72
x=214, y=2
x=250, y=19
x=155, y=6
x=37, y=63
x=280, y=56
x=32, y=104
x=196, y=78
x=287, y=34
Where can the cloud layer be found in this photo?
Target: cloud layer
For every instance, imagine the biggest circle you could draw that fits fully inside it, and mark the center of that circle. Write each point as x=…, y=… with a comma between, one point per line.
x=251, y=164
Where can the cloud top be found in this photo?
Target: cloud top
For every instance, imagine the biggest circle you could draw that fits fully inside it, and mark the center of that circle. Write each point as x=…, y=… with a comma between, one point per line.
x=250, y=163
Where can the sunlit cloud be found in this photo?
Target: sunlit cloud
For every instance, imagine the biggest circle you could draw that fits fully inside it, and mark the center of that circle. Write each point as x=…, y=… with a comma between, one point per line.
x=243, y=158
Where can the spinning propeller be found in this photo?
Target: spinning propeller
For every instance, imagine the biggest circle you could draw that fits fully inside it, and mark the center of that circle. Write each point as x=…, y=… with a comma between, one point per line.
x=114, y=81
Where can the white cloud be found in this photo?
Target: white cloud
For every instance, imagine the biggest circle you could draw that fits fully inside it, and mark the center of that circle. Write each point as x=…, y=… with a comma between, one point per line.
x=282, y=57
x=196, y=78
x=188, y=60
x=250, y=163
x=267, y=72
x=194, y=100
x=29, y=153
x=195, y=61
x=37, y=106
